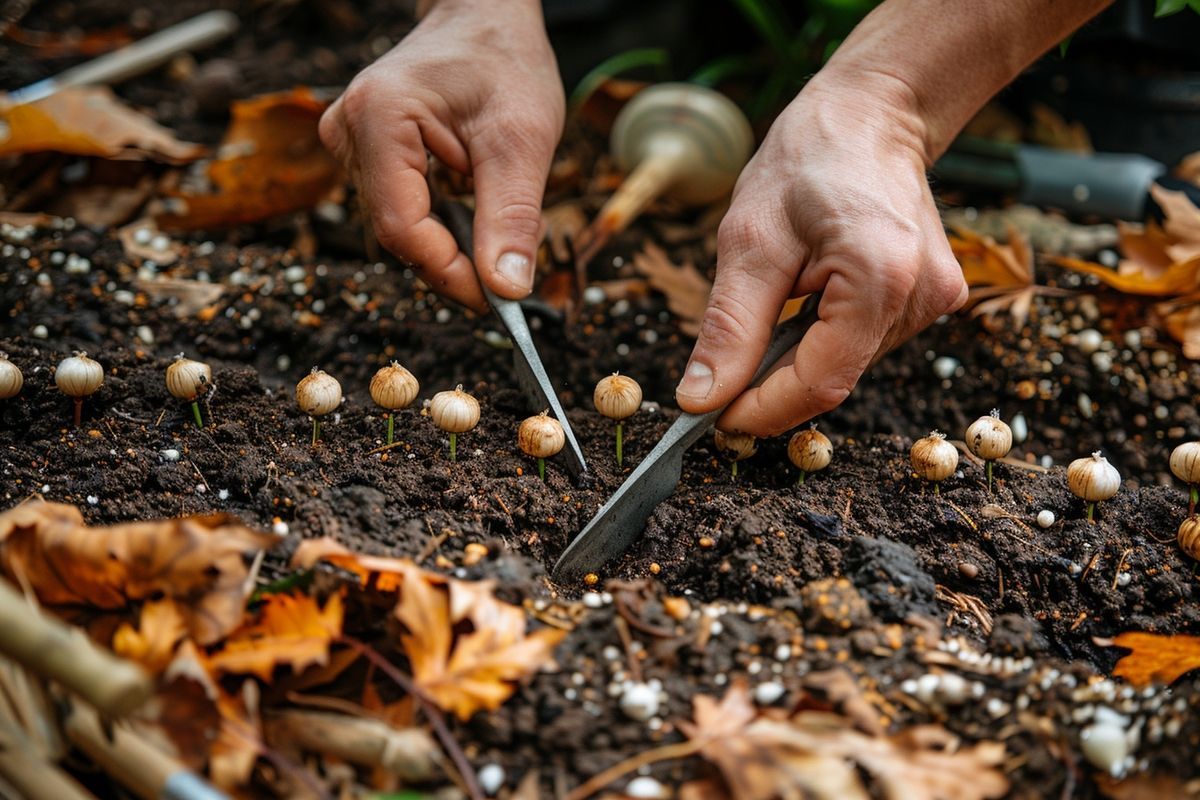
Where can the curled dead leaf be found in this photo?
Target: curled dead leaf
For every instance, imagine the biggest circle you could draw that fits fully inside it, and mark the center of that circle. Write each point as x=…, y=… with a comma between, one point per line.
x=196, y=560
x=89, y=121
x=270, y=162
x=685, y=288
x=813, y=754
x=1156, y=658
x=291, y=629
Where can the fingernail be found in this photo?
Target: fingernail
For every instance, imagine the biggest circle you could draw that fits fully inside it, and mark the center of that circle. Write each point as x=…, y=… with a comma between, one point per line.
x=516, y=268
x=697, y=381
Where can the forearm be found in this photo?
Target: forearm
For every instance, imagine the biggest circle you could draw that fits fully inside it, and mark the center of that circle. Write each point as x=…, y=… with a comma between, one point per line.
x=941, y=60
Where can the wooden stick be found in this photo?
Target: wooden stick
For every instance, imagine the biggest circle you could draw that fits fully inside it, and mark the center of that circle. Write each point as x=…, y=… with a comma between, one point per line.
x=648, y=181
x=408, y=753
x=56, y=651
x=129, y=759
x=30, y=774
x=136, y=58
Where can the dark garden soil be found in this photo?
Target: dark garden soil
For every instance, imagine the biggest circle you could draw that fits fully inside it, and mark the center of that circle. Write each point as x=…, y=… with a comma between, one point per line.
x=933, y=580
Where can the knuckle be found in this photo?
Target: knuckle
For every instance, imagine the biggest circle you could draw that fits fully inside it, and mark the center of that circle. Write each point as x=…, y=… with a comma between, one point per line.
x=722, y=326
x=520, y=216
x=829, y=396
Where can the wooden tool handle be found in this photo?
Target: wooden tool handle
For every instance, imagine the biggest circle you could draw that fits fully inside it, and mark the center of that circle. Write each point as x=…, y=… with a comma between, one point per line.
x=61, y=653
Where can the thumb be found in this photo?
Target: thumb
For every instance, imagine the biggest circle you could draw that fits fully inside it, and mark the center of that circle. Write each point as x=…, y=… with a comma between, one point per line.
x=751, y=286
x=509, y=184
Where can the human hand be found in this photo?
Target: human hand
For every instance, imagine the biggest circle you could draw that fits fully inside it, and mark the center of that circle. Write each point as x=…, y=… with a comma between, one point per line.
x=834, y=201
x=476, y=85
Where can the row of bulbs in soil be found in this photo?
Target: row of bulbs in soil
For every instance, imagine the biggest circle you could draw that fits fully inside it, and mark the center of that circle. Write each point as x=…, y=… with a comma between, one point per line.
x=618, y=397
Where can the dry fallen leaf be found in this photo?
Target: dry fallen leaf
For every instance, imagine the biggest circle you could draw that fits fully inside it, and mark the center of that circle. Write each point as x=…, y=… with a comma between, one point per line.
x=563, y=223
x=161, y=627
x=1144, y=786
x=89, y=121
x=1050, y=129
x=196, y=560
x=291, y=629
x=470, y=671
x=385, y=574
x=191, y=297
x=1000, y=276
x=685, y=288
x=1156, y=658
x=270, y=162
x=813, y=754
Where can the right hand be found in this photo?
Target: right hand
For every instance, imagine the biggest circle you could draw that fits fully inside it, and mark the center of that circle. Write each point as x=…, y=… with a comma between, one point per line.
x=479, y=89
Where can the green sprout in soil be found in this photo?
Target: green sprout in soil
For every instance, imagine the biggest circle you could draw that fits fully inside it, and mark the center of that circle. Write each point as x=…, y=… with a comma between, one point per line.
x=78, y=377
x=1185, y=463
x=393, y=388
x=318, y=394
x=11, y=379
x=1093, y=479
x=541, y=437
x=989, y=438
x=454, y=412
x=736, y=447
x=934, y=459
x=810, y=451
x=187, y=380
x=618, y=397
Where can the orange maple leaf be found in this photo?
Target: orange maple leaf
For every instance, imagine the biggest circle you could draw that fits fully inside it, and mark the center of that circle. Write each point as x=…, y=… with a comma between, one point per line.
x=474, y=670
x=291, y=629
x=89, y=121
x=1000, y=276
x=161, y=627
x=270, y=162
x=196, y=560
x=385, y=574
x=1156, y=658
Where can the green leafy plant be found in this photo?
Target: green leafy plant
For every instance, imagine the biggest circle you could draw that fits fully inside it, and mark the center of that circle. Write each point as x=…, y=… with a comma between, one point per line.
x=1165, y=8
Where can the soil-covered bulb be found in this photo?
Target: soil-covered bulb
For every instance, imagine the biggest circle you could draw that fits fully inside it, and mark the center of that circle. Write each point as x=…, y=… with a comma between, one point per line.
x=735, y=446
x=1185, y=462
x=454, y=411
x=933, y=458
x=541, y=436
x=1092, y=478
x=187, y=379
x=78, y=376
x=617, y=396
x=318, y=393
x=394, y=387
x=989, y=437
x=11, y=379
x=1189, y=536
x=810, y=450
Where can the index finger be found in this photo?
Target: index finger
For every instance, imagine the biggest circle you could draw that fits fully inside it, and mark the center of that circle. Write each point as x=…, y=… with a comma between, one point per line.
x=823, y=368
x=392, y=178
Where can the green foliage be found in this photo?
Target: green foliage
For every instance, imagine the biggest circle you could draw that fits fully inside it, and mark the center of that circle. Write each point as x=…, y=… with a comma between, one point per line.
x=1165, y=8
x=656, y=57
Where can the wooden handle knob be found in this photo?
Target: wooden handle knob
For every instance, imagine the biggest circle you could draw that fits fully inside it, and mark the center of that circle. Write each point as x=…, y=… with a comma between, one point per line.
x=703, y=133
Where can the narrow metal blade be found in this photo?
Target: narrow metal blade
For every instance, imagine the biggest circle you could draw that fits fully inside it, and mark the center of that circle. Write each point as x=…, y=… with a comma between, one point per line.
x=531, y=374
x=532, y=377
x=622, y=519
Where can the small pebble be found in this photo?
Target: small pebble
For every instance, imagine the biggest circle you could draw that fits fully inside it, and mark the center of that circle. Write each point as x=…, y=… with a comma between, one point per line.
x=1089, y=341
x=945, y=367
x=593, y=600
x=280, y=528
x=1020, y=429
x=1123, y=579
x=491, y=778
x=170, y=454
x=967, y=569
x=646, y=788
x=639, y=702
x=768, y=693
x=1045, y=518
x=93, y=500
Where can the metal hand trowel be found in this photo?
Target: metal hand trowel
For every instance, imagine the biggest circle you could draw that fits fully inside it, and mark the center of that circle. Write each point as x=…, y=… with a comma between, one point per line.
x=621, y=520
x=531, y=374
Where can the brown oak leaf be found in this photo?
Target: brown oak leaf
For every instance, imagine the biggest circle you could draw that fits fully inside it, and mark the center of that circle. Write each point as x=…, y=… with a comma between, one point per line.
x=1156, y=658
